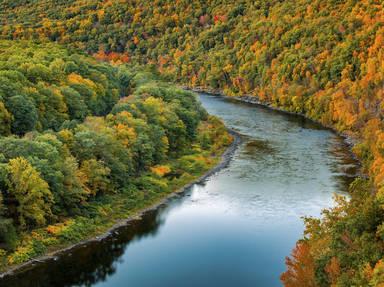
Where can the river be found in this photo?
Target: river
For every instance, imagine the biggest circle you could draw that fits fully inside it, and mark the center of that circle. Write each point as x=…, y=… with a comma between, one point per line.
x=233, y=230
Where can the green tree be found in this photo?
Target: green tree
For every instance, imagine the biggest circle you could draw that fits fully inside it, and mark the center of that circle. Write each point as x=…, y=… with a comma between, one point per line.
x=77, y=108
x=7, y=230
x=31, y=193
x=24, y=113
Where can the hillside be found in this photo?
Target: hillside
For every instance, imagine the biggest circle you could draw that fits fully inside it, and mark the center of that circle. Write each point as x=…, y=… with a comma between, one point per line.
x=324, y=59
x=84, y=144
x=321, y=58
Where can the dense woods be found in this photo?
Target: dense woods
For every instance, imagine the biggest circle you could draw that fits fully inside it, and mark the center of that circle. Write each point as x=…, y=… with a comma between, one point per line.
x=80, y=136
x=320, y=58
x=324, y=59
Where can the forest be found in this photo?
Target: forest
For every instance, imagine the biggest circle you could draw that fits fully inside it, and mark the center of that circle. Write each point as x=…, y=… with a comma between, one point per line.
x=79, y=137
x=321, y=58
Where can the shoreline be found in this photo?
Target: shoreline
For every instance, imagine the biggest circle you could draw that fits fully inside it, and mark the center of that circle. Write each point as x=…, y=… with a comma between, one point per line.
x=225, y=159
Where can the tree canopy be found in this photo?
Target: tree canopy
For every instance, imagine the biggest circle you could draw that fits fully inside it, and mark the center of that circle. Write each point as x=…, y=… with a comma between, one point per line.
x=321, y=58
x=75, y=131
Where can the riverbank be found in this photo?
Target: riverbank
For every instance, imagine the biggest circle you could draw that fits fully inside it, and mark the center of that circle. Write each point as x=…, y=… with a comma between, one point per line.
x=220, y=161
x=252, y=206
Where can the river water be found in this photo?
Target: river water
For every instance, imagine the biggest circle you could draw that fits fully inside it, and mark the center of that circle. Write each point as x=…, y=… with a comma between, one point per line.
x=233, y=230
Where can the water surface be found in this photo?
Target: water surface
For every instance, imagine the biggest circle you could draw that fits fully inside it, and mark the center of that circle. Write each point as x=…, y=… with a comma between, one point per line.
x=233, y=230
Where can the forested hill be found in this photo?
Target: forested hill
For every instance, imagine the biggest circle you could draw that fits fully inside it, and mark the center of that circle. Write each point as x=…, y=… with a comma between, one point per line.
x=84, y=143
x=323, y=58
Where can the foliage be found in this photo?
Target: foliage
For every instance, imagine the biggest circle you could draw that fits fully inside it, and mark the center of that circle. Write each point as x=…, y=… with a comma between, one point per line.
x=345, y=247
x=31, y=193
x=161, y=170
x=301, y=268
x=321, y=58
x=43, y=86
x=85, y=142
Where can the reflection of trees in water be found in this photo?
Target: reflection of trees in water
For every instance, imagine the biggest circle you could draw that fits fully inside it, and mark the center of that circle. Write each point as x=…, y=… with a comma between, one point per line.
x=88, y=264
x=346, y=168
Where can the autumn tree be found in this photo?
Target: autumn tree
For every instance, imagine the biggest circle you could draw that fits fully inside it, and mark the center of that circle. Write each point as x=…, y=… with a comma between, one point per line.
x=95, y=176
x=300, y=268
x=5, y=120
x=31, y=194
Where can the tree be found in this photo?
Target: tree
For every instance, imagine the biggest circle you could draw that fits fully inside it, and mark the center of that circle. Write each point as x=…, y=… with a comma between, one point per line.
x=95, y=177
x=301, y=268
x=31, y=193
x=94, y=140
x=76, y=107
x=5, y=120
x=7, y=230
x=24, y=113
x=377, y=274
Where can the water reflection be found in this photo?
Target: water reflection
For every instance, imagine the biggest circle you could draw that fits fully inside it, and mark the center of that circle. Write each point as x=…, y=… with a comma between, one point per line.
x=92, y=263
x=234, y=230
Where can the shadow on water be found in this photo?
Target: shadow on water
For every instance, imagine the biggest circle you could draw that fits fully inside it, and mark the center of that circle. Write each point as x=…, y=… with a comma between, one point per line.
x=94, y=262
x=297, y=119
x=345, y=167
x=235, y=229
